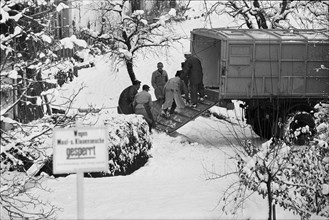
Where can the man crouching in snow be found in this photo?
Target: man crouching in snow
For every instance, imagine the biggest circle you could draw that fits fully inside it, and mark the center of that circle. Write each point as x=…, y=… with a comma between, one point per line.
x=127, y=97
x=142, y=105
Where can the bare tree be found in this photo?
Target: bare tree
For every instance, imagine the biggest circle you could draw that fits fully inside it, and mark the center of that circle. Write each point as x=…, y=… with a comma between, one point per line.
x=125, y=33
x=255, y=14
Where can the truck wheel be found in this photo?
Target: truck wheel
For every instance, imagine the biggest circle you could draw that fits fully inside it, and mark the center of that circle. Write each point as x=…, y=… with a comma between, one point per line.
x=301, y=128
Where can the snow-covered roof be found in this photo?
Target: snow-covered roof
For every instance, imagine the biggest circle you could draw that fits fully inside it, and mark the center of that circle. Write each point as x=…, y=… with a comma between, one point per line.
x=264, y=35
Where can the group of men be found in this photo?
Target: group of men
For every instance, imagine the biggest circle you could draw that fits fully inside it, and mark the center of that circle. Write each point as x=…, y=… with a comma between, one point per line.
x=167, y=91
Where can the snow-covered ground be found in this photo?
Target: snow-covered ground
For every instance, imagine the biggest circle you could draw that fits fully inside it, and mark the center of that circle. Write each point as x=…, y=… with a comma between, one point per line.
x=176, y=183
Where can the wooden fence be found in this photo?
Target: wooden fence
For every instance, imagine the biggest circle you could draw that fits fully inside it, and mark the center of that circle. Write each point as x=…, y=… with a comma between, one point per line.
x=65, y=53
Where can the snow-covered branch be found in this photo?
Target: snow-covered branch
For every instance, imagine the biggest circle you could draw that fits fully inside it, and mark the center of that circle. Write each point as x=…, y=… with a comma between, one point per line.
x=275, y=14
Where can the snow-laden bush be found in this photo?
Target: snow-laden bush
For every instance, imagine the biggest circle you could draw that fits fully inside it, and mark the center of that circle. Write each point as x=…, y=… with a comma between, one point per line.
x=28, y=144
x=322, y=121
x=129, y=143
x=26, y=152
x=23, y=152
x=300, y=128
x=296, y=177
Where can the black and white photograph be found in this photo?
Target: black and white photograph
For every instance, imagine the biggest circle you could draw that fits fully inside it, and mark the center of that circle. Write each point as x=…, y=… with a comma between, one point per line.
x=164, y=109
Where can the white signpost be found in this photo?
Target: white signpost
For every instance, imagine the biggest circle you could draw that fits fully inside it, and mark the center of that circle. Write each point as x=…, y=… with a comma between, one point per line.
x=79, y=150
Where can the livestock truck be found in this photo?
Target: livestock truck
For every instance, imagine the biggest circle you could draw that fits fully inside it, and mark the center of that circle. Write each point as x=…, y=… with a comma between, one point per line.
x=275, y=73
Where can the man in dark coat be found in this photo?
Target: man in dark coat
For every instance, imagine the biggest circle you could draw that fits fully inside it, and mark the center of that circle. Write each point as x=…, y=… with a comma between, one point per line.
x=185, y=76
x=193, y=69
x=127, y=97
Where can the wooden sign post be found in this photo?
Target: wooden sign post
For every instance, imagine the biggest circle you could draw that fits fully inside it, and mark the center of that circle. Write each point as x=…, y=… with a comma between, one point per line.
x=79, y=150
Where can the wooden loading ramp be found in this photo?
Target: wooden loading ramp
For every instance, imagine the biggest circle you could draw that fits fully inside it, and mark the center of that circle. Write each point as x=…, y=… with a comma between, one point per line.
x=179, y=119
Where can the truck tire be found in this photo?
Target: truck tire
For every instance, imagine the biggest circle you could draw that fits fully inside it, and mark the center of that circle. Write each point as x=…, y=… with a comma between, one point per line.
x=267, y=119
x=301, y=128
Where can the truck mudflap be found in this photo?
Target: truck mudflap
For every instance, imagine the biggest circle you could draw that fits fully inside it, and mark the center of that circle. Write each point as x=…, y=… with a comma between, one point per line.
x=179, y=119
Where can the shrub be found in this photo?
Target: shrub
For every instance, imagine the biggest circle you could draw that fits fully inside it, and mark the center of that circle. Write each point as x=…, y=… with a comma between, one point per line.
x=129, y=145
x=288, y=174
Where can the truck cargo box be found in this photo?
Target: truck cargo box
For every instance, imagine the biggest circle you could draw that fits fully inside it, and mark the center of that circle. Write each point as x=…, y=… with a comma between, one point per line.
x=276, y=73
x=253, y=64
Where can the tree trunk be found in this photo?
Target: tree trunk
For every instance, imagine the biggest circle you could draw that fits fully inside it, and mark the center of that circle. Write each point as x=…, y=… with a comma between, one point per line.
x=271, y=208
x=260, y=18
x=269, y=197
x=129, y=65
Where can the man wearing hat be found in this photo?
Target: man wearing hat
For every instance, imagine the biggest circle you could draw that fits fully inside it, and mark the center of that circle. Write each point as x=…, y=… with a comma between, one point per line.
x=193, y=69
x=127, y=97
x=142, y=105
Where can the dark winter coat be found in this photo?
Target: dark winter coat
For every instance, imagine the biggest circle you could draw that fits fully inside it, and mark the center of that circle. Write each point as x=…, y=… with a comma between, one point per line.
x=193, y=69
x=126, y=100
x=184, y=77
